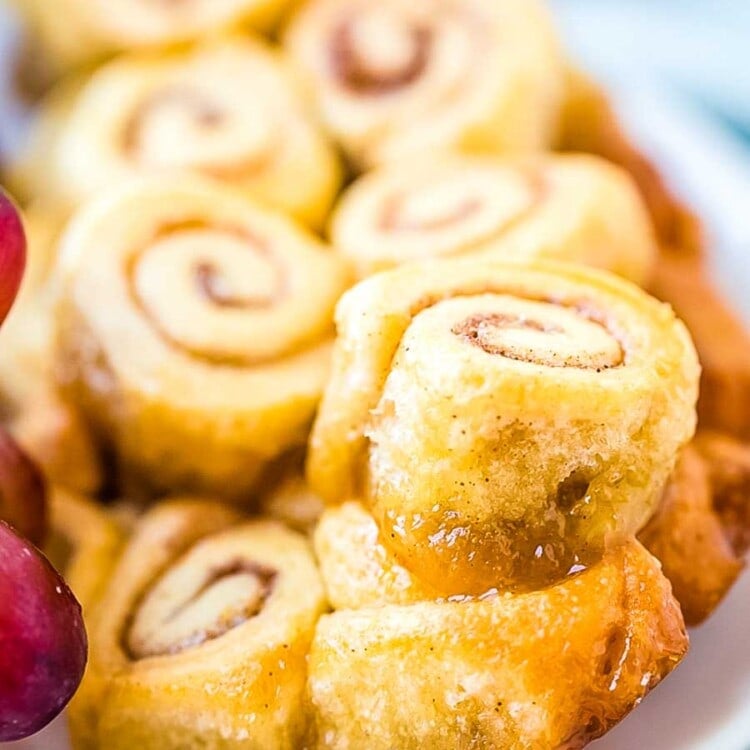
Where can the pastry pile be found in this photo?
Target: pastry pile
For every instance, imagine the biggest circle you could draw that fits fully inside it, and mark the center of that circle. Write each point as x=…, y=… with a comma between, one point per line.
x=362, y=352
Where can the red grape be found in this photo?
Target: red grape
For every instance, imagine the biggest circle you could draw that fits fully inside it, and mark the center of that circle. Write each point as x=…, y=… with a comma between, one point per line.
x=43, y=642
x=12, y=253
x=22, y=491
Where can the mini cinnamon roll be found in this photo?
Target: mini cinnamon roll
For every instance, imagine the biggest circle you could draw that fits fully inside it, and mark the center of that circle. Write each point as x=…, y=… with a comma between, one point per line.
x=69, y=33
x=686, y=534
x=228, y=109
x=292, y=502
x=504, y=423
x=202, y=636
x=576, y=208
x=84, y=544
x=394, y=78
x=722, y=341
x=588, y=123
x=31, y=406
x=358, y=569
x=194, y=331
x=728, y=463
x=545, y=670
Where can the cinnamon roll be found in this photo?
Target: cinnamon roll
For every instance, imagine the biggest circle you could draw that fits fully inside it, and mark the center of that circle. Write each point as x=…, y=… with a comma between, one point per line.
x=720, y=337
x=84, y=544
x=194, y=331
x=577, y=208
x=358, y=569
x=394, y=78
x=687, y=536
x=69, y=33
x=292, y=502
x=496, y=672
x=228, y=109
x=588, y=123
x=202, y=635
x=31, y=406
x=505, y=423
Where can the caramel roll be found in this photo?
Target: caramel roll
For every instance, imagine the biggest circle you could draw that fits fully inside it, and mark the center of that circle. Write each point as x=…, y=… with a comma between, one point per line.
x=722, y=342
x=194, y=331
x=576, y=208
x=588, y=123
x=229, y=110
x=394, y=78
x=545, y=670
x=202, y=635
x=69, y=33
x=31, y=406
x=687, y=536
x=504, y=422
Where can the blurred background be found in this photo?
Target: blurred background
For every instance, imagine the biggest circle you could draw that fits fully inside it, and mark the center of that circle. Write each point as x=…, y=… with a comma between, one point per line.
x=679, y=72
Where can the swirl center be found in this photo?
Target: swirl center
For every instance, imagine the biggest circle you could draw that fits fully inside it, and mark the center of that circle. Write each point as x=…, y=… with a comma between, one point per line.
x=204, y=288
x=540, y=333
x=209, y=129
x=478, y=202
x=184, y=610
x=379, y=50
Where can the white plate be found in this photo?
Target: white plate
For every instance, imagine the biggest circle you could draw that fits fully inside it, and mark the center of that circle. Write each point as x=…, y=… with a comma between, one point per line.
x=705, y=704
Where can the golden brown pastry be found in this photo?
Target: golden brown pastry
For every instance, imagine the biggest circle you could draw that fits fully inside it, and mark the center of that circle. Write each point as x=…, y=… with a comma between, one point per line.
x=687, y=536
x=394, y=78
x=588, y=123
x=84, y=544
x=728, y=463
x=194, y=331
x=358, y=569
x=291, y=501
x=202, y=636
x=31, y=406
x=576, y=208
x=545, y=670
x=228, y=109
x=71, y=32
x=722, y=342
x=504, y=422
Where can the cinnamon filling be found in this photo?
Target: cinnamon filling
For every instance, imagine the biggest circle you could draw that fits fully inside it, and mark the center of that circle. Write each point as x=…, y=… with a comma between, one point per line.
x=227, y=597
x=204, y=113
x=550, y=343
x=399, y=59
x=213, y=275
x=393, y=217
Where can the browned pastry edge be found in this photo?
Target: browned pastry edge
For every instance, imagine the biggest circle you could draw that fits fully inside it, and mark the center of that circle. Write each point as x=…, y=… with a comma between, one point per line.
x=590, y=124
x=702, y=527
x=722, y=342
x=728, y=464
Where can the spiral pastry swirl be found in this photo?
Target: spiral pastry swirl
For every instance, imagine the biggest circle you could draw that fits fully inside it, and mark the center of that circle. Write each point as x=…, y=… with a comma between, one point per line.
x=576, y=208
x=394, y=78
x=191, y=111
x=202, y=634
x=505, y=423
x=91, y=29
x=194, y=331
x=491, y=672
